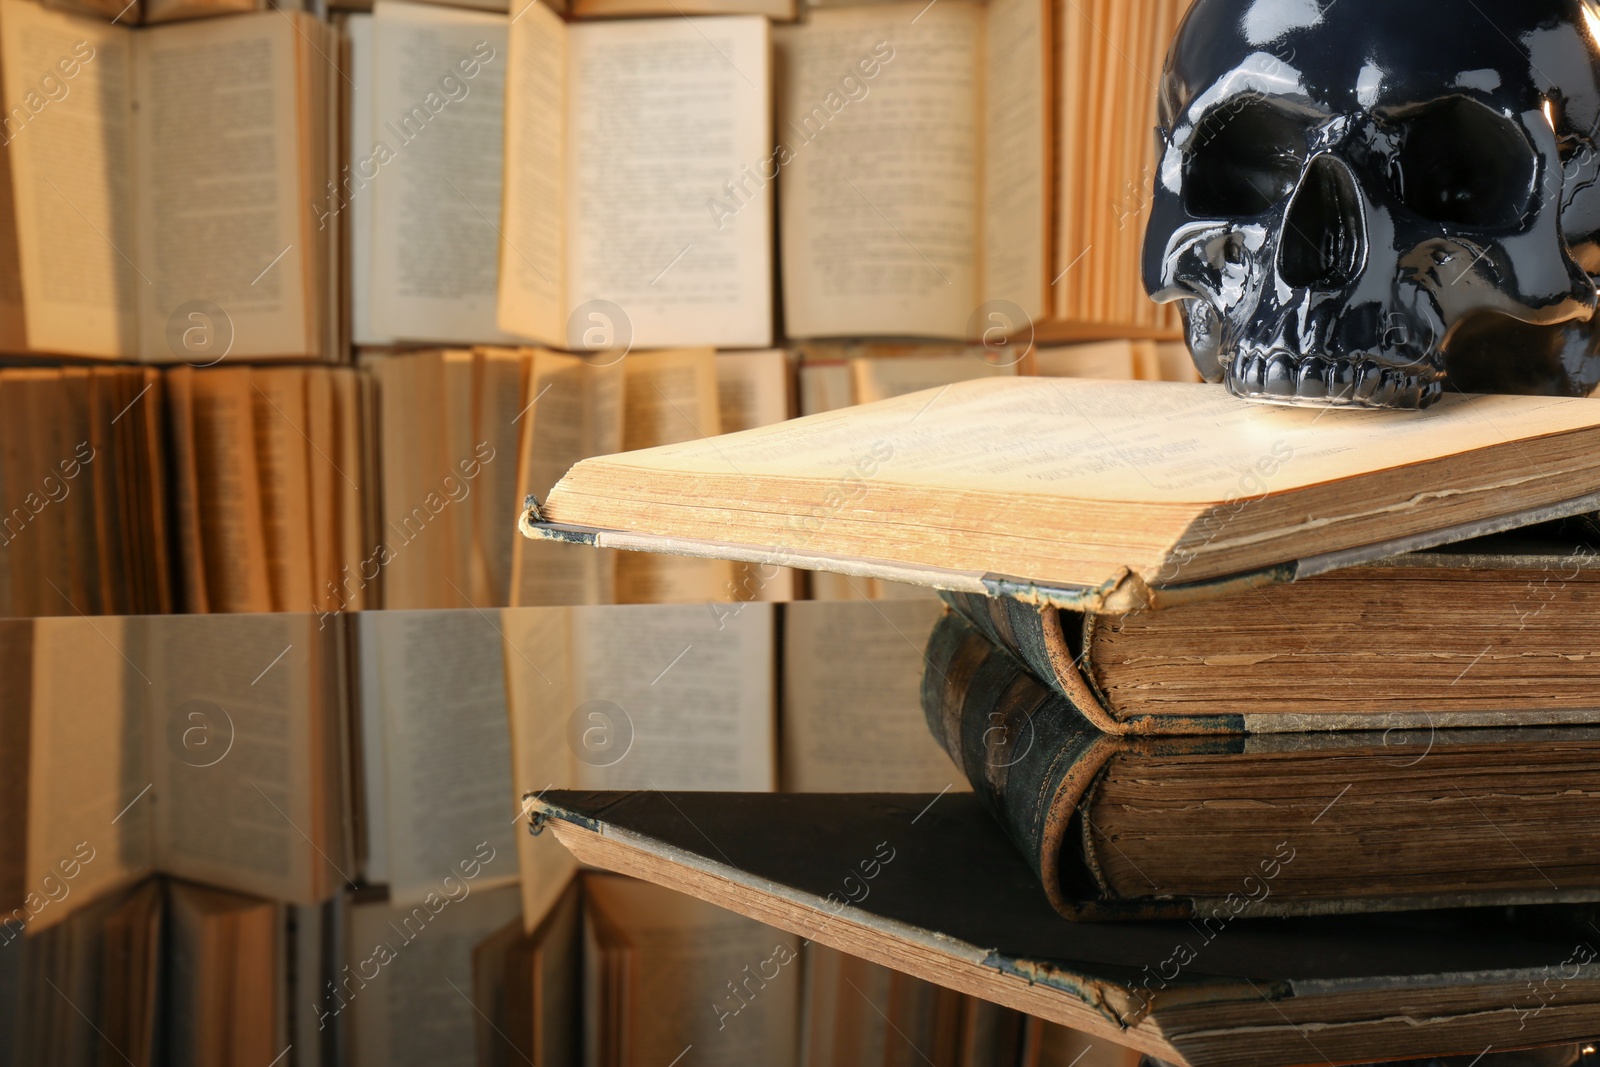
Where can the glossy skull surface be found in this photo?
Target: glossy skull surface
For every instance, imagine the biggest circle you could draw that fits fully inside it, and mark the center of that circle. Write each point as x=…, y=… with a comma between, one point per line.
x=1365, y=202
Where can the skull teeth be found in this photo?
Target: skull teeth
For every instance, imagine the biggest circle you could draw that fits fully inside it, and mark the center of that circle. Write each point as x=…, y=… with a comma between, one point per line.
x=1345, y=381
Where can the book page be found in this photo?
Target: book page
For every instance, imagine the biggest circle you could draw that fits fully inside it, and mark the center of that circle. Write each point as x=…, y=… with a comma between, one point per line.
x=879, y=129
x=16, y=711
x=71, y=146
x=89, y=818
x=574, y=410
x=188, y=534
x=1135, y=442
x=670, y=397
x=441, y=704
x=1017, y=136
x=372, y=794
x=881, y=379
x=325, y=487
x=414, y=1008
x=222, y=185
x=674, y=697
x=501, y=381
x=777, y=10
x=353, y=425
x=533, y=239
x=228, y=493
x=752, y=389
x=680, y=949
x=537, y=656
x=225, y=976
x=668, y=218
x=13, y=320
x=439, y=95
x=283, y=463
x=359, y=205
x=1176, y=364
x=852, y=699
x=232, y=716
x=1112, y=360
x=465, y=580
x=425, y=397
x=825, y=387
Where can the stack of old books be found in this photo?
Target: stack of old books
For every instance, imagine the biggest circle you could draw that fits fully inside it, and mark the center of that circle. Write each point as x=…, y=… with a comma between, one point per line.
x=1285, y=710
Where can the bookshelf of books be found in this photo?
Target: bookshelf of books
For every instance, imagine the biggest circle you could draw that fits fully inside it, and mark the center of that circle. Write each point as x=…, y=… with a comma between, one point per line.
x=300, y=303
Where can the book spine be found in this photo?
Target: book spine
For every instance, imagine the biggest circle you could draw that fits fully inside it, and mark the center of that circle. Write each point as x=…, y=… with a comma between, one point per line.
x=1055, y=645
x=1033, y=759
x=1026, y=750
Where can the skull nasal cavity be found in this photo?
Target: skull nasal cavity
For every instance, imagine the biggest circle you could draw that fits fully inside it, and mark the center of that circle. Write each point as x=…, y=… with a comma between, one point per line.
x=1324, y=243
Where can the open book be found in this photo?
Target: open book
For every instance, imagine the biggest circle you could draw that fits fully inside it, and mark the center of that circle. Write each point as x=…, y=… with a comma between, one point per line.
x=423, y=188
x=1094, y=495
x=154, y=186
x=271, y=485
x=147, y=12
x=575, y=407
x=852, y=717
x=436, y=789
x=915, y=146
x=618, y=137
x=204, y=747
x=924, y=884
x=613, y=696
x=933, y=162
x=404, y=998
x=83, y=485
x=651, y=956
x=165, y=972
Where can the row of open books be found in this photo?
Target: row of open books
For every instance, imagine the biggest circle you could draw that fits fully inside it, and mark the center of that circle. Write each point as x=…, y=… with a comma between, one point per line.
x=617, y=973
x=132, y=490
x=286, y=756
x=225, y=187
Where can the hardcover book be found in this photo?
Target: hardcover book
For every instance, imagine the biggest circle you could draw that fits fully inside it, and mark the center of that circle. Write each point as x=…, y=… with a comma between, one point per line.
x=1092, y=495
x=1492, y=632
x=1196, y=828
x=922, y=883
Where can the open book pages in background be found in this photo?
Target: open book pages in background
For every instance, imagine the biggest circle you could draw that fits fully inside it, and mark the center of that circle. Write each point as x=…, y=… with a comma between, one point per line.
x=606, y=239
x=148, y=12
x=927, y=114
x=167, y=972
x=401, y=744
x=423, y=195
x=175, y=252
x=932, y=162
x=623, y=697
x=1088, y=494
x=205, y=748
x=415, y=1008
x=468, y=433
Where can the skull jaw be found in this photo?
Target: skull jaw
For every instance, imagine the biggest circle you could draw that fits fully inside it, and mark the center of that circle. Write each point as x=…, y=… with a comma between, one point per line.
x=1492, y=353
x=1357, y=380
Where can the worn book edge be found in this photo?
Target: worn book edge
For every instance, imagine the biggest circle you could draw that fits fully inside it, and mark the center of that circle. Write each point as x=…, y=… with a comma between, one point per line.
x=1120, y=593
x=1050, y=990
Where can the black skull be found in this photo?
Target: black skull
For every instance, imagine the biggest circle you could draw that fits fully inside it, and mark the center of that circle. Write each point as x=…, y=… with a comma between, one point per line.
x=1362, y=202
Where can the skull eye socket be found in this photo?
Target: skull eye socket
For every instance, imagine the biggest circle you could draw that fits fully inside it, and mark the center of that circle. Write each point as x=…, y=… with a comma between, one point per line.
x=1246, y=158
x=1459, y=162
